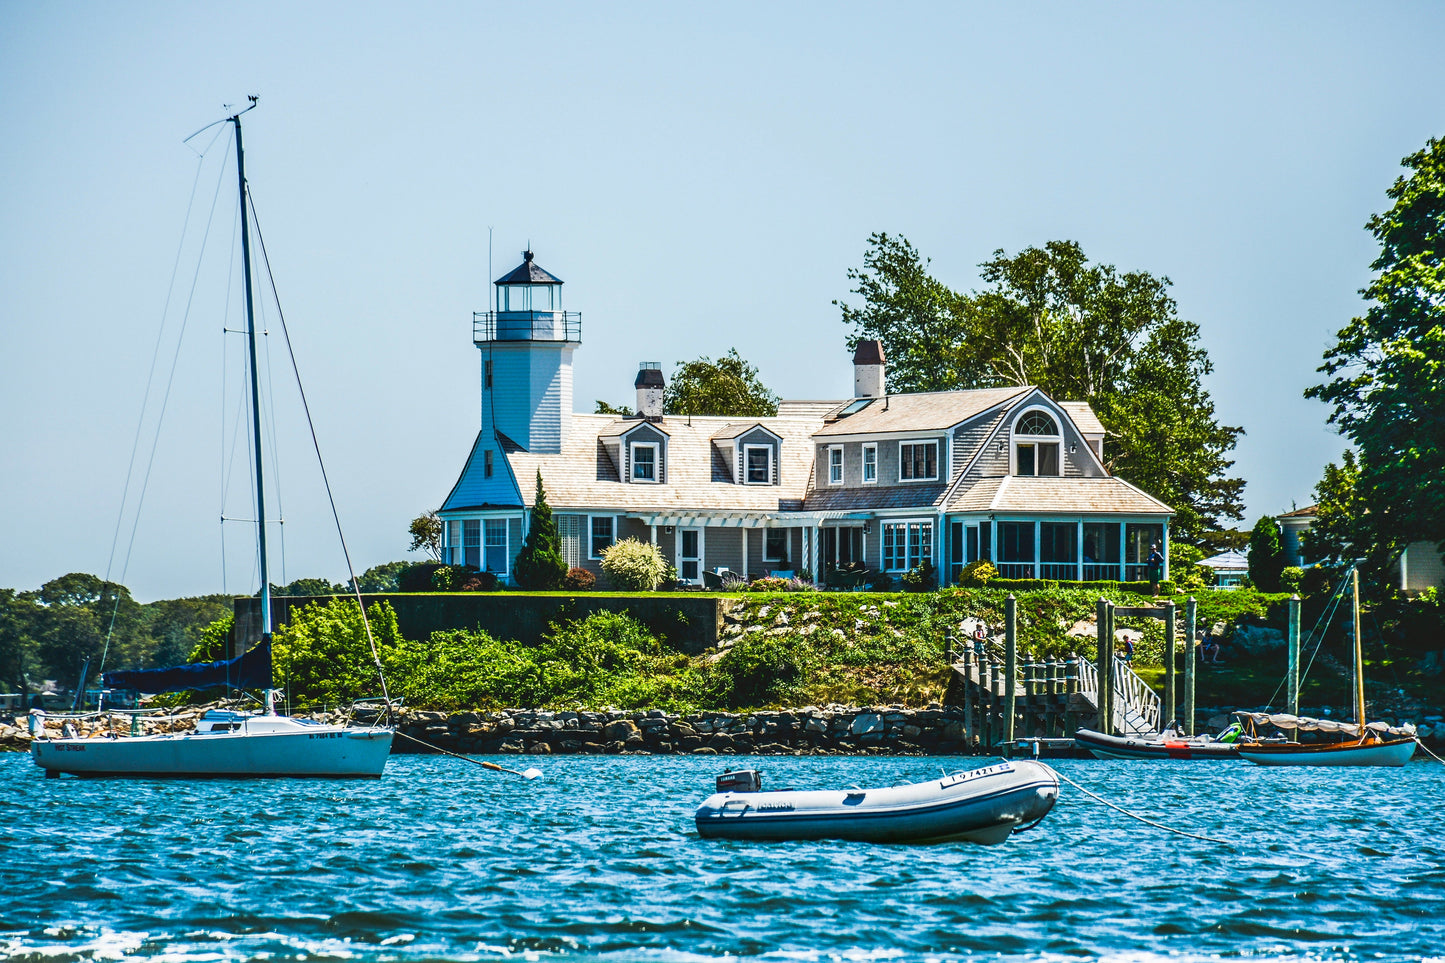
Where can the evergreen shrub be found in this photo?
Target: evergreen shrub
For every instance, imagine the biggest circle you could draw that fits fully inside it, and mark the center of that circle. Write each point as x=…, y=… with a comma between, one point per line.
x=539, y=566
x=977, y=573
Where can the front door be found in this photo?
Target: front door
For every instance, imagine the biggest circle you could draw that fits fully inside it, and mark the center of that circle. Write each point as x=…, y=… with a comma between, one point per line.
x=689, y=555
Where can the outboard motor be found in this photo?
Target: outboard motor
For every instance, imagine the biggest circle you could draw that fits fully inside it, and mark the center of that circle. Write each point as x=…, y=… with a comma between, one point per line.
x=743, y=780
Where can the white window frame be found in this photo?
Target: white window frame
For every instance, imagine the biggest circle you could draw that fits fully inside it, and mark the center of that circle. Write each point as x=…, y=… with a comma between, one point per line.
x=786, y=540
x=701, y=559
x=907, y=525
x=870, y=448
x=632, y=448
x=769, y=450
x=1017, y=440
x=592, y=552
x=835, y=449
x=937, y=460
x=488, y=525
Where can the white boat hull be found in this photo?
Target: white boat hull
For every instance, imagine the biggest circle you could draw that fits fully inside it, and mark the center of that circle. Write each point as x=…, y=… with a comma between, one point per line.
x=292, y=750
x=1346, y=754
x=983, y=806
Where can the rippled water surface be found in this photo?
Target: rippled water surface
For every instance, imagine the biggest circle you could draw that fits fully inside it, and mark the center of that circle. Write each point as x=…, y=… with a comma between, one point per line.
x=598, y=860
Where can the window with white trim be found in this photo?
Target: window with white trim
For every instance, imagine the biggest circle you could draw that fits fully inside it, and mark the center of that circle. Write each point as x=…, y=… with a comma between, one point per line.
x=775, y=545
x=906, y=545
x=644, y=461
x=1037, y=444
x=870, y=463
x=604, y=531
x=472, y=542
x=494, y=545
x=835, y=465
x=758, y=464
x=918, y=461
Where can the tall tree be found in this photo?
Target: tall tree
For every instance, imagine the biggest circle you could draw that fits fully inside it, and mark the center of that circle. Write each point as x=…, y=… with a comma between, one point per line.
x=1341, y=530
x=1266, y=555
x=1386, y=370
x=539, y=565
x=1081, y=332
x=19, y=661
x=426, y=534
x=718, y=386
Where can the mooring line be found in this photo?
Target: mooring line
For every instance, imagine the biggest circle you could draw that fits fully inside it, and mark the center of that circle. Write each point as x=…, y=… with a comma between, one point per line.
x=1419, y=742
x=1147, y=822
x=530, y=773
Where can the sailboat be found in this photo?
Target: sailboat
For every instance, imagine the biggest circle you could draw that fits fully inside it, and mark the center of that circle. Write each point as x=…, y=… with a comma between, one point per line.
x=227, y=743
x=1374, y=744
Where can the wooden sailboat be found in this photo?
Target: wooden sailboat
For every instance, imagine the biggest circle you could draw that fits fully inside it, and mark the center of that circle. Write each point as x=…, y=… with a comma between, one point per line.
x=1368, y=747
x=227, y=743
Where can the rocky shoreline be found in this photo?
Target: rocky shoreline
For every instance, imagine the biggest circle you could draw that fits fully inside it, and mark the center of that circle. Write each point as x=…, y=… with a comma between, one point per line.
x=812, y=730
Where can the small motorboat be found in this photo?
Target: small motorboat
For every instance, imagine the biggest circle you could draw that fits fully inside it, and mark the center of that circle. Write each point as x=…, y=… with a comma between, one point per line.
x=1169, y=745
x=984, y=805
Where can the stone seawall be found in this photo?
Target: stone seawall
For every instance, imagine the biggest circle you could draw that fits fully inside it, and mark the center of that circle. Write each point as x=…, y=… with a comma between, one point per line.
x=691, y=622
x=813, y=731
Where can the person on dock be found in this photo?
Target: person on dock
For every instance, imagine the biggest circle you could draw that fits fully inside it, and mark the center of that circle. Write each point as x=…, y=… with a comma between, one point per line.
x=980, y=636
x=1128, y=650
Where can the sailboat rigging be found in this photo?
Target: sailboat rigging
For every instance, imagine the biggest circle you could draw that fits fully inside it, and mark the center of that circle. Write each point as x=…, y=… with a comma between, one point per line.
x=1370, y=744
x=230, y=743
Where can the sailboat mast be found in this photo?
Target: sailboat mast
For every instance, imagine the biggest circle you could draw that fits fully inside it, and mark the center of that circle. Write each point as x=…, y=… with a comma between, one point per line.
x=255, y=386
x=1359, y=651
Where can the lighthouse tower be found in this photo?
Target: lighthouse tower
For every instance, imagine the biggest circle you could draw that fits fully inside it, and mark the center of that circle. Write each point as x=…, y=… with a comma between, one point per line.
x=526, y=346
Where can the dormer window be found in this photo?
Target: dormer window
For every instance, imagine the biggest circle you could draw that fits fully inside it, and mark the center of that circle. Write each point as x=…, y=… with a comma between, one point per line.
x=758, y=464
x=1036, y=444
x=918, y=461
x=644, y=461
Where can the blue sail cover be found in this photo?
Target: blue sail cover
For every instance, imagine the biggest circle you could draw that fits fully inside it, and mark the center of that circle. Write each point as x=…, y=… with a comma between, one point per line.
x=249, y=671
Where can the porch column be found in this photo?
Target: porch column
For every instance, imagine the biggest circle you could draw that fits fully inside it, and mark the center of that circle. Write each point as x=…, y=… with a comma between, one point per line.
x=653, y=530
x=1038, y=550
x=1165, y=548
x=1123, y=554
x=745, y=551
x=816, y=550
x=1079, y=549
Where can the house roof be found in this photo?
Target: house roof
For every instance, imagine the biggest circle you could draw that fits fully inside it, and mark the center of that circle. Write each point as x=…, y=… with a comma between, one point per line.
x=1227, y=561
x=1083, y=417
x=528, y=272
x=1309, y=511
x=737, y=428
x=922, y=411
x=808, y=408
x=1061, y=495
x=874, y=498
x=582, y=475
x=628, y=423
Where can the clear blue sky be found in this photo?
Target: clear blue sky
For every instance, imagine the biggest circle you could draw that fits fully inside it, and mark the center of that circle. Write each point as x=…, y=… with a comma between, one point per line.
x=701, y=176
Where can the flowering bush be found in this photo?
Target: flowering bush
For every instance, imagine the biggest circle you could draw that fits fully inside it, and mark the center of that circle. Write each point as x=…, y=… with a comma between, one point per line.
x=633, y=566
x=976, y=574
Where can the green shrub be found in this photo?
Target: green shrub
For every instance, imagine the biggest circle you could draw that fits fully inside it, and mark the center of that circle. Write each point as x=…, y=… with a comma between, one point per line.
x=417, y=578
x=321, y=655
x=463, y=670
x=214, y=643
x=920, y=578
x=633, y=566
x=1291, y=578
x=539, y=566
x=977, y=574
x=759, y=671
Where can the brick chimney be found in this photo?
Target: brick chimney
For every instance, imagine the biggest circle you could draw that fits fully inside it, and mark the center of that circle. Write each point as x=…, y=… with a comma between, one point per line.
x=868, y=378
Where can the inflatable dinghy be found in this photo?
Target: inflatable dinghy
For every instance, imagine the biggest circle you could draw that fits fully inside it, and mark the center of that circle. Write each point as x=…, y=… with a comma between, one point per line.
x=981, y=806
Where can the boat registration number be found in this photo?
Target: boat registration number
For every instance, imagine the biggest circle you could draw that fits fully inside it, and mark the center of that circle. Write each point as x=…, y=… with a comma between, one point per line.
x=68, y=747
x=993, y=770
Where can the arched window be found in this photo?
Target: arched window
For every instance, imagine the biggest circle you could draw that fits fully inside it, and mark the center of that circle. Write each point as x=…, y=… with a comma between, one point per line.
x=1037, y=444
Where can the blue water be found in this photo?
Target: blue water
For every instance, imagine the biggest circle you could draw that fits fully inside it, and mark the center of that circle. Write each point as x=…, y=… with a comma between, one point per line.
x=598, y=860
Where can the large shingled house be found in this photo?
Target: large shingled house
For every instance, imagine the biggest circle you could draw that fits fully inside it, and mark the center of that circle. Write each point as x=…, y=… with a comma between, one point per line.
x=889, y=480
